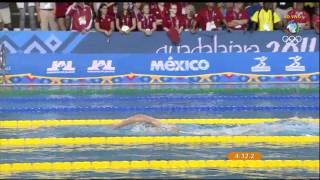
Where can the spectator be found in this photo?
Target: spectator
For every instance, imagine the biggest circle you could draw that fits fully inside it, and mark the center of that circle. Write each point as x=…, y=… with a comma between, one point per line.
x=299, y=16
x=172, y=21
x=237, y=18
x=209, y=18
x=125, y=21
x=81, y=17
x=183, y=7
x=112, y=9
x=251, y=9
x=104, y=23
x=46, y=17
x=96, y=6
x=30, y=6
x=189, y=19
x=152, y=6
x=61, y=9
x=130, y=5
x=316, y=19
x=266, y=18
x=91, y=4
x=5, y=16
x=160, y=12
x=167, y=7
x=110, y=6
x=137, y=10
x=147, y=24
x=225, y=7
x=309, y=7
x=282, y=9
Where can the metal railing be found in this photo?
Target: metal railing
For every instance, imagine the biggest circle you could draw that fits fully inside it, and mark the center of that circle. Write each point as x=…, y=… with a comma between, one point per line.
x=3, y=63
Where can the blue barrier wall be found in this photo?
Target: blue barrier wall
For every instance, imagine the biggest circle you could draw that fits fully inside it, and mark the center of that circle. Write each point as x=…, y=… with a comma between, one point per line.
x=136, y=42
x=204, y=57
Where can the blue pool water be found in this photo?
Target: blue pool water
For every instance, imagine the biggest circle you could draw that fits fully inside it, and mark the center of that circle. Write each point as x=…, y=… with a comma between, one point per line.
x=57, y=153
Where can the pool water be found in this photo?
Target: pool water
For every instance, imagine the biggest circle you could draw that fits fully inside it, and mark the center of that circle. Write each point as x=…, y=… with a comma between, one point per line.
x=287, y=126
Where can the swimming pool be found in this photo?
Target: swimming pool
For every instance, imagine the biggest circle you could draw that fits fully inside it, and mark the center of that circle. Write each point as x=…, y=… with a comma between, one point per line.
x=296, y=115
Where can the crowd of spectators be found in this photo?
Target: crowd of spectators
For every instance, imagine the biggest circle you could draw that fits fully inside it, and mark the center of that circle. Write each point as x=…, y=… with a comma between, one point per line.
x=125, y=17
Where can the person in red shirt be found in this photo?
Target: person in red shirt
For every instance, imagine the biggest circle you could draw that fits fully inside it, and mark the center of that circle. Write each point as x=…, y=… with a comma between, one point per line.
x=299, y=16
x=104, y=23
x=209, y=18
x=167, y=7
x=237, y=18
x=152, y=6
x=184, y=5
x=81, y=17
x=61, y=9
x=147, y=23
x=225, y=7
x=136, y=12
x=188, y=20
x=125, y=21
x=160, y=13
x=316, y=19
x=112, y=6
x=172, y=21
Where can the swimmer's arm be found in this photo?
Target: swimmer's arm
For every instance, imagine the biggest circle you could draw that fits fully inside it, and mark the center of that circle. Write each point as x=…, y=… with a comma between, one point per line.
x=135, y=119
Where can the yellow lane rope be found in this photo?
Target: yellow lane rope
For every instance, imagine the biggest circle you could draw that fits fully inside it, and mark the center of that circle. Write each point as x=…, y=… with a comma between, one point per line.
x=76, y=122
x=158, y=164
x=159, y=139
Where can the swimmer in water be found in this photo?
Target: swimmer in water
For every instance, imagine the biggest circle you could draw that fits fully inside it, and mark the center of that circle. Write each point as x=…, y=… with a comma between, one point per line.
x=145, y=119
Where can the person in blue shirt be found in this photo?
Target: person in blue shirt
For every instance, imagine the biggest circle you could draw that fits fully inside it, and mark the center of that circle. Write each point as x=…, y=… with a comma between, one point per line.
x=251, y=8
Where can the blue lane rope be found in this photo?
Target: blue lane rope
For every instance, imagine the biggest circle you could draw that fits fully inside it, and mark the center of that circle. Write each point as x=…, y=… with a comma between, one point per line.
x=159, y=108
x=155, y=98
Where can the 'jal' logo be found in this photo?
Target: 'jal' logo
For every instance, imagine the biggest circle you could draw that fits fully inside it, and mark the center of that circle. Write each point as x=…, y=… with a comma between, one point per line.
x=101, y=66
x=61, y=67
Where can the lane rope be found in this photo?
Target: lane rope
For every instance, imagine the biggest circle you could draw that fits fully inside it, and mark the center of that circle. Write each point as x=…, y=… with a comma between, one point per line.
x=157, y=164
x=158, y=108
x=78, y=122
x=121, y=91
x=155, y=98
x=159, y=139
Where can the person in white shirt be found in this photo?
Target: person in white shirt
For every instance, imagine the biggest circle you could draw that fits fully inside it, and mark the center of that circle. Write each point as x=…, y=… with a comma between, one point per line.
x=46, y=15
x=5, y=16
x=23, y=8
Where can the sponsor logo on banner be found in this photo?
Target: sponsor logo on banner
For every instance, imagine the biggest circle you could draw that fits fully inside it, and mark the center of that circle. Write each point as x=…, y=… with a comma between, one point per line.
x=262, y=66
x=179, y=65
x=62, y=67
x=295, y=66
x=225, y=44
x=101, y=66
